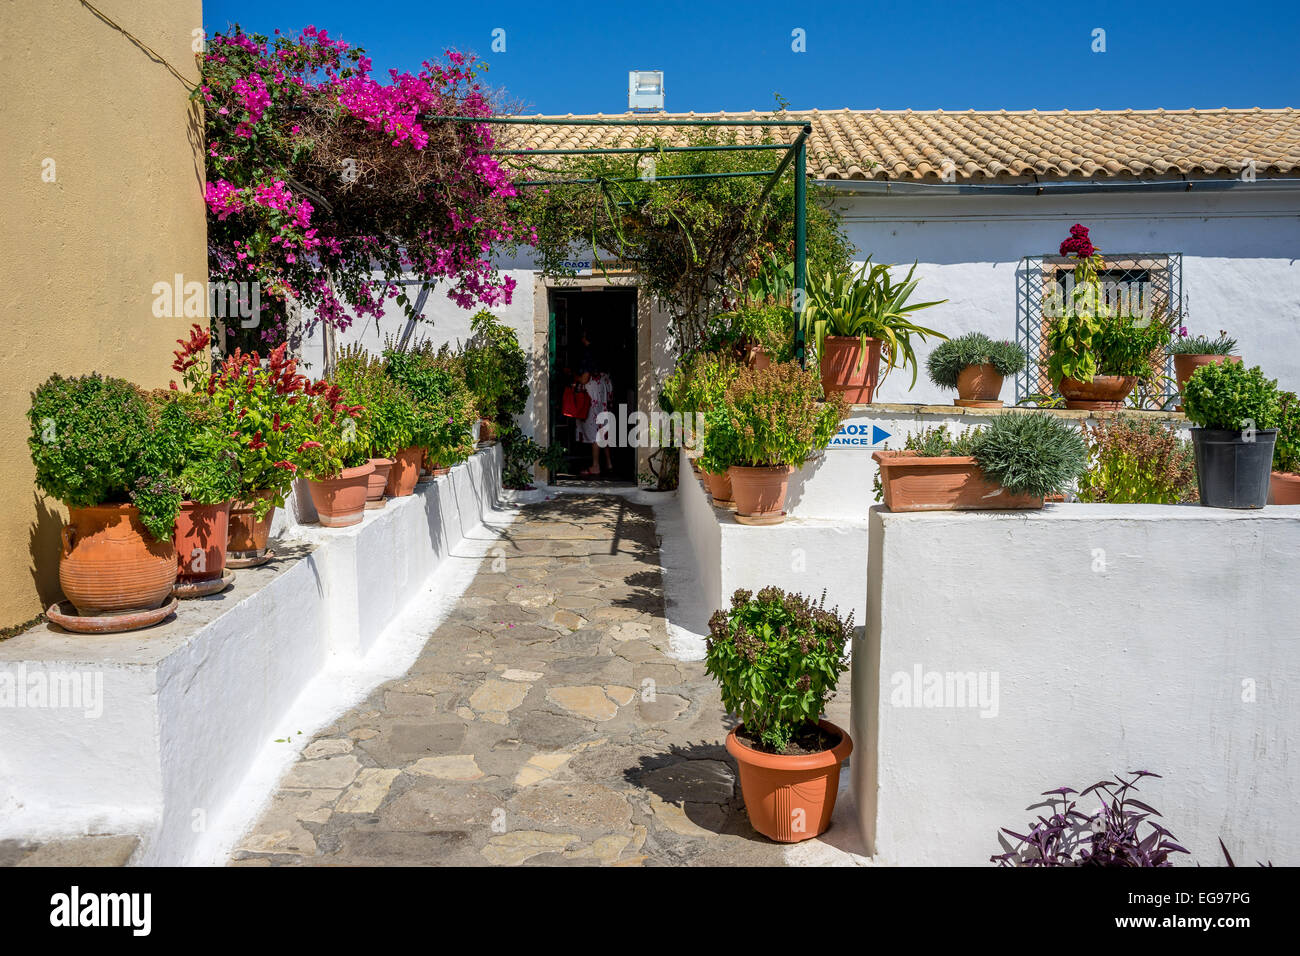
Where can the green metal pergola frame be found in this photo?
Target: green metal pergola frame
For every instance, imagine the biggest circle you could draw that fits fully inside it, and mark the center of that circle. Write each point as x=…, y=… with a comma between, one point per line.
x=795, y=152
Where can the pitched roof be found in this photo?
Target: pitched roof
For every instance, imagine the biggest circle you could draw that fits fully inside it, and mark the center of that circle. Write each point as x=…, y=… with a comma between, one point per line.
x=997, y=147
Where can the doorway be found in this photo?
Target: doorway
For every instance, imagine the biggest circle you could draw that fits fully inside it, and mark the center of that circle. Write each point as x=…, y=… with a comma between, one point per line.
x=592, y=329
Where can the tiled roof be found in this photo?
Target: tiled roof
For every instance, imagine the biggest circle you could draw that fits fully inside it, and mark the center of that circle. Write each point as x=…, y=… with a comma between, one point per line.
x=1001, y=146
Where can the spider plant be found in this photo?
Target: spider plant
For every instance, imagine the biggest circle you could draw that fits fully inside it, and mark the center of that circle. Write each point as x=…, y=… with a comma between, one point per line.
x=867, y=304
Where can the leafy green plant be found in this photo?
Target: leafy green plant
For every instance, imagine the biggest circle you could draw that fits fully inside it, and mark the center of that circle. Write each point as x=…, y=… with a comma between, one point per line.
x=496, y=368
x=777, y=658
x=387, y=419
x=1033, y=454
x=1286, y=452
x=1222, y=344
x=1232, y=397
x=768, y=327
x=949, y=358
x=207, y=466
x=332, y=439
x=867, y=304
x=445, y=405
x=1138, y=461
x=777, y=416
x=720, y=446
x=520, y=453
x=699, y=382
x=93, y=442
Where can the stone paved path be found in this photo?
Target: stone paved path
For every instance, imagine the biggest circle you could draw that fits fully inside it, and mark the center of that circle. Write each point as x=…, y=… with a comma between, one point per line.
x=542, y=724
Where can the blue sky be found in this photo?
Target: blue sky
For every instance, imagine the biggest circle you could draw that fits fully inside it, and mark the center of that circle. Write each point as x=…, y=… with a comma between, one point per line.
x=574, y=57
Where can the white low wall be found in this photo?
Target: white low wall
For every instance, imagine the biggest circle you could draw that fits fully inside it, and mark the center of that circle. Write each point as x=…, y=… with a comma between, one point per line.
x=1109, y=638
x=183, y=708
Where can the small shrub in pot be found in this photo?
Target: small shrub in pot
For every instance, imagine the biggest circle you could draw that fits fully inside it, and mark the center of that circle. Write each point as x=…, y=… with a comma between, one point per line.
x=974, y=365
x=1284, y=483
x=1237, y=411
x=777, y=658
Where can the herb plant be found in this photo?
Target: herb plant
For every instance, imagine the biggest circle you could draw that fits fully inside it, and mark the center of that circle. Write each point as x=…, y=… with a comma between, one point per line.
x=949, y=358
x=1286, y=452
x=1232, y=397
x=387, y=419
x=496, y=368
x=867, y=304
x=776, y=658
x=1138, y=461
x=207, y=464
x=1034, y=454
x=93, y=442
x=1110, y=836
x=436, y=380
x=777, y=416
x=1222, y=344
x=332, y=439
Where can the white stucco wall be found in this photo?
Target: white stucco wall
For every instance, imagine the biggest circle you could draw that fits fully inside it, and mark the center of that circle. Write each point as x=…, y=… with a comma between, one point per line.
x=1240, y=247
x=1122, y=637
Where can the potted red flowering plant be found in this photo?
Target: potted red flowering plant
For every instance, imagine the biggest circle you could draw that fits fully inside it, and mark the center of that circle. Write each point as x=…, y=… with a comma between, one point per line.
x=256, y=398
x=334, y=456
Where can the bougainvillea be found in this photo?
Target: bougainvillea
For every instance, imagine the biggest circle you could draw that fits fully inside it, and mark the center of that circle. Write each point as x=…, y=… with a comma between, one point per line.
x=327, y=186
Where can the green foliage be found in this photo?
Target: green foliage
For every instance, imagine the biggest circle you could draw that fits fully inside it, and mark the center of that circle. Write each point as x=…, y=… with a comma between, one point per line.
x=1138, y=461
x=1286, y=452
x=332, y=438
x=777, y=416
x=445, y=405
x=688, y=241
x=768, y=327
x=1088, y=344
x=720, y=447
x=207, y=462
x=1222, y=344
x=1230, y=396
x=521, y=453
x=496, y=368
x=388, y=419
x=949, y=358
x=867, y=304
x=936, y=442
x=699, y=382
x=777, y=658
x=1034, y=454
x=93, y=442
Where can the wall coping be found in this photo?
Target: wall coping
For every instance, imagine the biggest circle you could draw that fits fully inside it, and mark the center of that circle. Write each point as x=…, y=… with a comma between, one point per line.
x=892, y=408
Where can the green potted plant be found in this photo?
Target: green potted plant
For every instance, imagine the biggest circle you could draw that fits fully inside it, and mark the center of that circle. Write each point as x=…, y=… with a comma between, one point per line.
x=698, y=384
x=853, y=319
x=1138, y=461
x=1191, y=352
x=717, y=453
x=388, y=418
x=1237, y=411
x=1284, y=483
x=1014, y=462
x=496, y=371
x=334, y=457
x=208, y=478
x=445, y=409
x=777, y=658
x=1096, y=355
x=777, y=421
x=758, y=334
x=95, y=449
x=256, y=398
x=975, y=366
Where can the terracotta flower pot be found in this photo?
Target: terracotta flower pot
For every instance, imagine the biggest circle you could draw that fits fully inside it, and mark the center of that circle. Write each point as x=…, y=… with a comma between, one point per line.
x=790, y=797
x=378, y=479
x=202, y=535
x=405, y=472
x=247, y=534
x=756, y=357
x=341, y=501
x=719, y=486
x=759, y=492
x=1185, y=365
x=110, y=564
x=1103, y=393
x=487, y=431
x=978, y=386
x=841, y=370
x=1283, y=488
x=953, y=483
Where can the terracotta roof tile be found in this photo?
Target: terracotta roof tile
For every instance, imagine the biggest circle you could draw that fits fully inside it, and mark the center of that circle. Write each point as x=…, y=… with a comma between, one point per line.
x=998, y=146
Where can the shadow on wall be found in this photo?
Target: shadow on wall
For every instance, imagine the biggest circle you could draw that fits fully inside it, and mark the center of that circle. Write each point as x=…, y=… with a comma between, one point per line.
x=44, y=544
x=800, y=477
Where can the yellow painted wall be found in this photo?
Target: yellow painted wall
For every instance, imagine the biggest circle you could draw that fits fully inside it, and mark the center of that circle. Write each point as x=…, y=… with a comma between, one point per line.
x=79, y=255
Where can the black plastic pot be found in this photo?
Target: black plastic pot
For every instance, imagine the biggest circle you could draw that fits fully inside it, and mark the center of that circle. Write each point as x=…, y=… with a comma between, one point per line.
x=1232, y=472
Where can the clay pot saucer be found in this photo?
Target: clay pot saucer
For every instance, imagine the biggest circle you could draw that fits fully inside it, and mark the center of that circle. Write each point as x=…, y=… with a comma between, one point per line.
x=975, y=403
x=424, y=479
x=759, y=519
x=244, y=559
x=66, y=616
x=185, y=590
x=377, y=503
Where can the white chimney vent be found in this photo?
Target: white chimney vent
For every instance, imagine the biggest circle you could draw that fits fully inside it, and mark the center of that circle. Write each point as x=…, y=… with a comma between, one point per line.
x=645, y=90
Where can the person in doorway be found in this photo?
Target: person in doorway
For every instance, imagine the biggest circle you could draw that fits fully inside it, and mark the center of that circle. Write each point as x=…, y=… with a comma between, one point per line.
x=601, y=390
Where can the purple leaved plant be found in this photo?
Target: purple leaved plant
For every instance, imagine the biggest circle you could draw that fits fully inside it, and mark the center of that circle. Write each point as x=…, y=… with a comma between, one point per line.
x=1109, y=837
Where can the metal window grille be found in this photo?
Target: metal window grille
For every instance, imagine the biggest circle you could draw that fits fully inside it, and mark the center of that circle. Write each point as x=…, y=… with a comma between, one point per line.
x=1158, y=276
